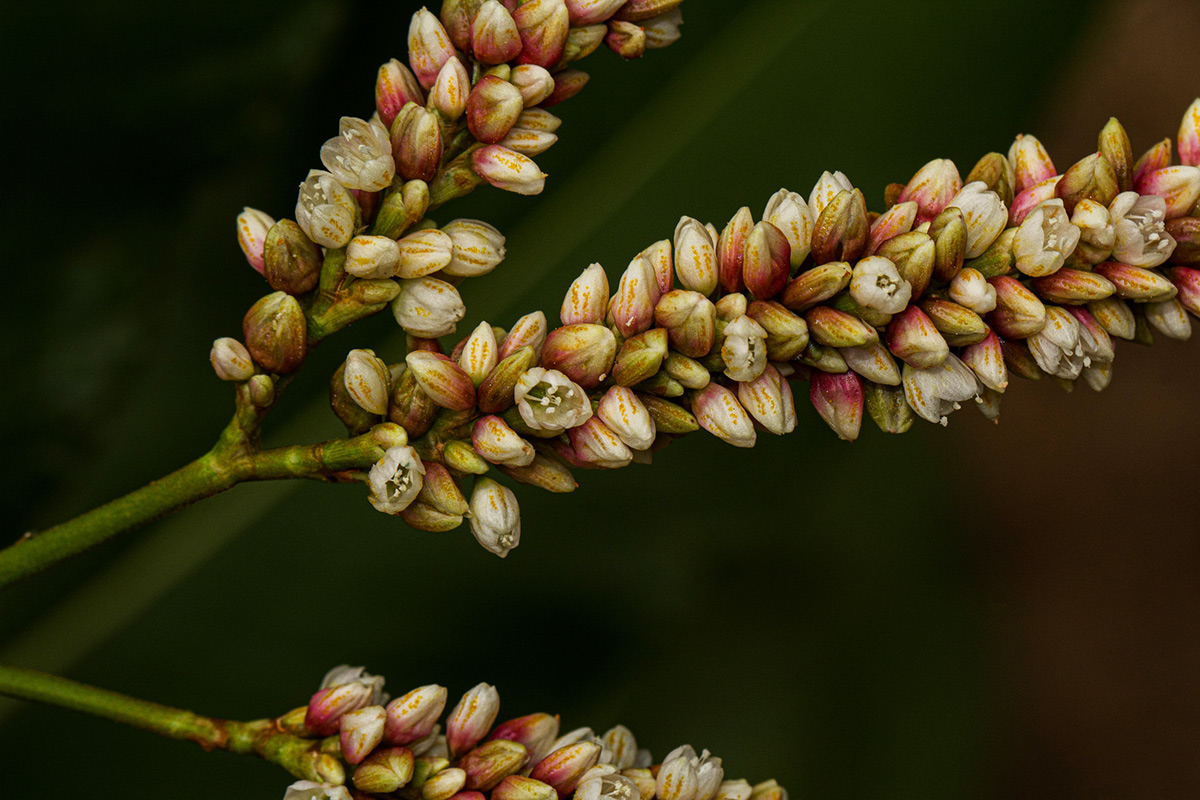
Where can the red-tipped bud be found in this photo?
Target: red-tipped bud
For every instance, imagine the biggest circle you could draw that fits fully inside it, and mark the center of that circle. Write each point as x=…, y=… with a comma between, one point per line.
x=492, y=762
x=471, y=719
x=518, y=787
x=495, y=441
x=638, y=10
x=731, y=249
x=1030, y=199
x=842, y=230
x=492, y=108
x=817, y=285
x=690, y=319
x=584, y=353
x=594, y=444
x=932, y=188
x=494, y=35
x=395, y=86
x=1135, y=283
x=695, y=256
x=563, y=769
x=626, y=39
x=586, y=301
x=360, y=732
x=1019, y=313
x=986, y=360
x=429, y=47
x=567, y=84
x=767, y=261
x=536, y=732
x=632, y=308
x=913, y=338
x=659, y=255
x=839, y=401
x=1189, y=135
x=252, y=227
x=718, y=411
x=1179, y=186
x=1157, y=157
x=896, y=220
x=1187, y=282
x=508, y=170
x=834, y=328
x=543, y=26
x=769, y=400
x=1030, y=162
x=528, y=331
x=416, y=143
x=444, y=381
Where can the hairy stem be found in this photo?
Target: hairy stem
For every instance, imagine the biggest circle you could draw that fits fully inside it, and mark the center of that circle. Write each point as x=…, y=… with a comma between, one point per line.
x=301, y=757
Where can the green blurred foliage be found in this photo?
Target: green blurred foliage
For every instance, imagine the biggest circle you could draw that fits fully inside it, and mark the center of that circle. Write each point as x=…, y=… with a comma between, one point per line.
x=808, y=610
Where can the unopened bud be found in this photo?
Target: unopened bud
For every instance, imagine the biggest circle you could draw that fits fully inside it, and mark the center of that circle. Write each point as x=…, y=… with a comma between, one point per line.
x=395, y=86
x=663, y=30
x=400, y=210
x=626, y=39
x=914, y=255
x=818, y=285
x=839, y=401
x=567, y=84
x=429, y=47
x=1030, y=162
x=1115, y=316
x=563, y=768
x=690, y=319
x=1179, y=186
x=275, y=333
x=874, y=362
x=410, y=407
x=508, y=170
x=1135, y=283
x=252, y=227
x=996, y=174
x=492, y=108
x=896, y=220
x=519, y=787
x=230, y=360
x=768, y=398
x=731, y=250
x=1189, y=135
x=584, y=353
x=360, y=732
x=913, y=338
x=638, y=10
x=495, y=393
x=586, y=300
x=416, y=143
x=767, y=261
x=986, y=360
x=668, y=417
x=366, y=380
x=888, y=408
x=640, y=357
x=958, y=324
x=1114, y=146
x=1019, y=313
x=476, y=248
x=1070, y=286
x=495, y=441
x=842, y=230
x=543, y=26
x=544, y=473
x=414, y=715
x=695, y=257
x=492, y=762
x=718, y=411
x=449, y=94
x=1169, y=318
x=428, y=307
x=443, y=380
x=932, y=188
x=494, y=35
x=627, y=417
x=475, y=713
x=834, y=328
x=444, y=785
x=384, y=771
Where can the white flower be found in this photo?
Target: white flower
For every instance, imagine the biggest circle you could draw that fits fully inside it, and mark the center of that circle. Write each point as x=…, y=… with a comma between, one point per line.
x=1045, y=239
x=788, y=212
x=1096, y=233
x=969, y=288
x=325, y=211
x=360, y=156
x=1141, y=237
x=877, y=284
x=428, y=307
x=372, y=257
x=495, y=517
x=1056, y=347
x=827, y=188
x=344, y=673
x=936, y=392
x=307, y=790
x=984, y=213
x=395, y=480
x=607, y=787
x=744, y=349
x=550, y=401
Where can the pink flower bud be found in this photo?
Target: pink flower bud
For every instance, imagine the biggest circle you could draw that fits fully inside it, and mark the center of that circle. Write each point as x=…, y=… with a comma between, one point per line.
x=475, y=713
x=589, y=12
x=1136, y=283
x=493, y=108
x=490, y=763
x=1019, y=313
x=767, y=261
x=450, y=91
x=768, y=398
x=414, y=715
x=536, y=732
x=567, y=84
x=445, y=785
x=896, y=220
x=594, y=444
x=718, y=411
x=638, y=10
x=429, y=47
x=416, y=143
x=1189, y=135
x=839, y=401
x=1157, y=157
x=360, y=732
x=1187, y=281
x=564, y=767
x=690, y=319
x=659, y=256
x=626, y=39
x=535, y=84
x=1073, y=286
x=543, y=26
x=933, y=187
x=731, y=250
x=494, y=35
x=827, y=187
x=1030, y=162
x=834, y=328
x=395, y=86
x=252, y=227
x=587, y=298
x=695, y=257
x=970, y=289
x=508, y=170
x=632, y=308
x=495, y=441
x=912, y=337
x=444, y=381
x=428, y=307
x=986, y=360
x=231, y=360
x=529, y=331
x=327, y=706
x=584, y=353
x=1179, y=186
x=1186, y=233
x=841, y=231
x=1030, y=198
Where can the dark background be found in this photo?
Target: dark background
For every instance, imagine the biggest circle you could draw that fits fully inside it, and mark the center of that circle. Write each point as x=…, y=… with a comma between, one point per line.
x=974, y=612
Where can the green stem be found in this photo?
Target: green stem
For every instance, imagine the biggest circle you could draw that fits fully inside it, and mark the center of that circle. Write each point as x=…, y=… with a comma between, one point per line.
x=230, y=462
x=301, y=757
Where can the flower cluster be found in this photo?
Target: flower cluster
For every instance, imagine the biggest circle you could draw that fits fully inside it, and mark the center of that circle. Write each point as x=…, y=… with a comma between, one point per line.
x=469, y=107
x=902, y=314
x=383, y=747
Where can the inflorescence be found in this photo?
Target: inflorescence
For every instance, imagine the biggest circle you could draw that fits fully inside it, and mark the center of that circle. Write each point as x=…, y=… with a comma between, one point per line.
x=399, y=749
x=906, y=313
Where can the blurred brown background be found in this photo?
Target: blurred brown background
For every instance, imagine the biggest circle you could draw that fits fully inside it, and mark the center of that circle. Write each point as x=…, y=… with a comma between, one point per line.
x=978, y=611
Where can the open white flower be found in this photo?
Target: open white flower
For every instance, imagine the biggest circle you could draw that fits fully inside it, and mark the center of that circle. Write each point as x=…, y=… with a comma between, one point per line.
x=550, y=401
x=1141, y=236
x=744, y=349
x=360, y=156
x=395, y=480
x=936, y=392
x=1096, y=234
x=308, y=790
x=325, y=211
x=984, y=213
x=877, y=284
x=1045, y=239
x=1056, y=347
